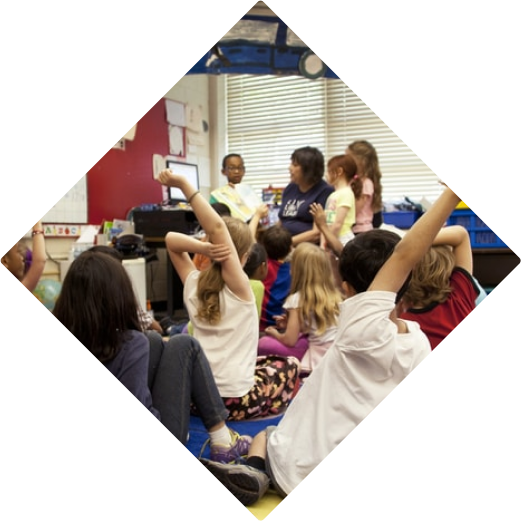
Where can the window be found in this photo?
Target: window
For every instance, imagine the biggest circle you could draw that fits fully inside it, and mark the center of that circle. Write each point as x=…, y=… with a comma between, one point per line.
x=267, y=117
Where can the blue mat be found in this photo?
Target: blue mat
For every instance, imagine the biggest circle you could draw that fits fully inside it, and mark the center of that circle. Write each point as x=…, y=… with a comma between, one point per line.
x=198, y=433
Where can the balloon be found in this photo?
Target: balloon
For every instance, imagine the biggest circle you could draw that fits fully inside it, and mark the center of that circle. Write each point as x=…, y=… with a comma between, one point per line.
x=47, y=292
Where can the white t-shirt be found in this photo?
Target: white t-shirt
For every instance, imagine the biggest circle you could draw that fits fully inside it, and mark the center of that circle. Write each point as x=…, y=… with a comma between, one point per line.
x=318, y=344
x=365, y=363
x=231, y=345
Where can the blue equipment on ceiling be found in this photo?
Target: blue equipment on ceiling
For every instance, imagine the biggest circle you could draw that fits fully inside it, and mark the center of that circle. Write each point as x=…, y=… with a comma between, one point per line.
x=262, y=45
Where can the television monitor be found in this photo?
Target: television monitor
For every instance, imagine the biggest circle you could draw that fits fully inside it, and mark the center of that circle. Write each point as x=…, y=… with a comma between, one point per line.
x=190, y=171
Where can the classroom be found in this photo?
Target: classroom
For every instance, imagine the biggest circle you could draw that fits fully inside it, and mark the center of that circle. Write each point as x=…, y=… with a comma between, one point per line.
x=208, y=115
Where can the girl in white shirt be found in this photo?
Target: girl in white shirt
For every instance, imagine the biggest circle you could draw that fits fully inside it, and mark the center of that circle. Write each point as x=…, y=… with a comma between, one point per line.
x=312, y=310
x=223, y=312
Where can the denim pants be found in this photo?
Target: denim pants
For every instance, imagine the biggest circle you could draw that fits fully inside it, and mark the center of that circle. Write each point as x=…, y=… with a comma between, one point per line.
x=178, y=375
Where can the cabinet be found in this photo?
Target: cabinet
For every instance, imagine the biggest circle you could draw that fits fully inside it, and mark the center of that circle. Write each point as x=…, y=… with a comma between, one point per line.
x=492, y=265
x=154, y=225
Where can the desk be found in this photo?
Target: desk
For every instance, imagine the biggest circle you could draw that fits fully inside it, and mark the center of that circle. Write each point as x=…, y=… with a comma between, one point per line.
x=154, y=225
x=174, y=286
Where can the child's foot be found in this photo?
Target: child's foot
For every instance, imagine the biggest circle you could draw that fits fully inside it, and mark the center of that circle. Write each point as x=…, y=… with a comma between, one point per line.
x=246, y=483
x=229, y=453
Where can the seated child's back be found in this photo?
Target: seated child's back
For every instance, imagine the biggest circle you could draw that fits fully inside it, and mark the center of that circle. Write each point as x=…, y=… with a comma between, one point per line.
x=277, y=242
x=442, y=290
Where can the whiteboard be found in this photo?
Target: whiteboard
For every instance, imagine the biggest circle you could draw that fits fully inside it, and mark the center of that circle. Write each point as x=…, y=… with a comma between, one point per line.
x=72, y=207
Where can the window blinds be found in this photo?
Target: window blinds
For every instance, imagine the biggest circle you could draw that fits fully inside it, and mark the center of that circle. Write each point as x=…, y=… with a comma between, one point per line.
x=267, y=117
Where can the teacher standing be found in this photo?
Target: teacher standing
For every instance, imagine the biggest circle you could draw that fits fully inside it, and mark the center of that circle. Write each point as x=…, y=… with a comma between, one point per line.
x=307, y=186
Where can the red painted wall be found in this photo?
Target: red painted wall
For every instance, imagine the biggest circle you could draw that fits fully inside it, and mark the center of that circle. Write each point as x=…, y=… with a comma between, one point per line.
x=122, y=179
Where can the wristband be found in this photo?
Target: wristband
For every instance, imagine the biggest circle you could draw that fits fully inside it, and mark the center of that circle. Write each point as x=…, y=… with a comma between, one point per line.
x=192, y=196
x=36, y=232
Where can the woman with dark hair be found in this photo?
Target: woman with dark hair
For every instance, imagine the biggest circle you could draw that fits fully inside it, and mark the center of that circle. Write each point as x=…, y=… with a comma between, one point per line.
x=97, y=305
x=306, y=186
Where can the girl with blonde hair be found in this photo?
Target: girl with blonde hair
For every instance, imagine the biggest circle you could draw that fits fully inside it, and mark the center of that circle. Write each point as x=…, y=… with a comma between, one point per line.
x=223, y=311
x=312, y=307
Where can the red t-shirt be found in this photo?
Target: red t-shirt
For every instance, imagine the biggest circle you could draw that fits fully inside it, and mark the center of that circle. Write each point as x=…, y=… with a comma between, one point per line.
x=438, y=320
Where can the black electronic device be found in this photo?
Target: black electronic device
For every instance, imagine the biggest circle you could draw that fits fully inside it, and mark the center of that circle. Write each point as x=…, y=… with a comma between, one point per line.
x=131, y=246
x=157, y=223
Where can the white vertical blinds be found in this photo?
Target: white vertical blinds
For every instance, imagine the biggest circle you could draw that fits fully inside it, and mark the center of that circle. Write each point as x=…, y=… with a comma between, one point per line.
x=270, y=116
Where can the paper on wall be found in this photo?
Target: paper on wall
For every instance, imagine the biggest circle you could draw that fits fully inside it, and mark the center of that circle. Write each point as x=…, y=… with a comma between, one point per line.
x=131, y=133
x=194, y=138
x=175, y=135
x=194, y=118
x=158, y=164
x=175, y=113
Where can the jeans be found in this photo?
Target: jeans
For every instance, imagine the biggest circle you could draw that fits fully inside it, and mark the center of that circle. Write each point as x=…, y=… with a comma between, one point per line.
x=179, y=375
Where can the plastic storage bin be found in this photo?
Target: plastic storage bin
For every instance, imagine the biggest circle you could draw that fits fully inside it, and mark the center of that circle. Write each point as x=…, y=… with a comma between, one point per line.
x=481, y=236
x=401, y=219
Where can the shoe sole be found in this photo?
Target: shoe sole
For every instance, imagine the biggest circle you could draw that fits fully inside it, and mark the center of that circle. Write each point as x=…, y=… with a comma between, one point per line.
x=244, y=487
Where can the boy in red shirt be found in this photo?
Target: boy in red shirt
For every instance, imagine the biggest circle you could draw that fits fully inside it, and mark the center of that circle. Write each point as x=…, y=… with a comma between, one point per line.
x=442, y=290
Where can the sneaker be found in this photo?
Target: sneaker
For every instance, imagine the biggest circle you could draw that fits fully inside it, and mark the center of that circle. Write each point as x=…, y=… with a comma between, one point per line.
x=229, y=453
x=246, y=483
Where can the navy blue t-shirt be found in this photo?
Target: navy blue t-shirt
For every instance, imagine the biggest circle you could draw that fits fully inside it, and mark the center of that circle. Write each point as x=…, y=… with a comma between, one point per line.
x=294, y=211
x=130, y=367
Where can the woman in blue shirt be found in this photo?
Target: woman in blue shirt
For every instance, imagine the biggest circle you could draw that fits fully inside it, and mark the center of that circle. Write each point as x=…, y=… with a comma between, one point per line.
x=307, y=186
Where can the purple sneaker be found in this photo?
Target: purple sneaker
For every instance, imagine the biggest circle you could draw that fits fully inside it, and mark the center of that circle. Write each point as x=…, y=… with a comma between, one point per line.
x=227, y=454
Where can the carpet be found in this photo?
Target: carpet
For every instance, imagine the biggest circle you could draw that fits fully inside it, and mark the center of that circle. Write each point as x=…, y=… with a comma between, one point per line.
x=198, y=433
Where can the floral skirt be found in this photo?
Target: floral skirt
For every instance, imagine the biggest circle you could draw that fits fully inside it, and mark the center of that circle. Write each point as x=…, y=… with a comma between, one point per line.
x=276, y=382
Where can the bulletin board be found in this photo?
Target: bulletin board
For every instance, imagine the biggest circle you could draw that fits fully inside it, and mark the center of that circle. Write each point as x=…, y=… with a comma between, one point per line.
x=72, y=207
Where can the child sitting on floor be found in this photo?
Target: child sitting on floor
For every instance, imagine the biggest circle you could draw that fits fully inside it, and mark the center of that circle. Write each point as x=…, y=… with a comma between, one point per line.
x=256, y=268
x=222, y=310
x=442, y=290
x=310, y=324
x=277, y=241
x=372, y=354
x=97, y=304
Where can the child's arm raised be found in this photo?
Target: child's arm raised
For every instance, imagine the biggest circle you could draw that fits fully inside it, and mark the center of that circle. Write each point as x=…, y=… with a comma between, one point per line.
x=39, y=257
x=180, y=245
x=457, y=237
x=260, y=212
x=415, y=244
x=217, y=233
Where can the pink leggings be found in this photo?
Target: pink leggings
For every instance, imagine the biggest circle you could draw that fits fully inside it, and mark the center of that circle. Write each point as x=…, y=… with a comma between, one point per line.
x=271, y=346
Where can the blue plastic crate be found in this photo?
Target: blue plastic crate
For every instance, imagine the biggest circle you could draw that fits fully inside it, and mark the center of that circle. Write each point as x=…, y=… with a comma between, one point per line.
x=401, y=219
x=481, y=236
